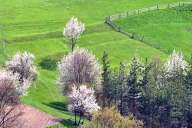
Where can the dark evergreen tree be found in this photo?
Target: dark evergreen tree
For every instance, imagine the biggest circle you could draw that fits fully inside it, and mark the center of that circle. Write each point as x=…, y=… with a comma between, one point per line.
x=154, y=108
x=123, y=98
x=114, y=88
x=106, y=80
x=134, y=89
x=147, y=101
x=188, y=80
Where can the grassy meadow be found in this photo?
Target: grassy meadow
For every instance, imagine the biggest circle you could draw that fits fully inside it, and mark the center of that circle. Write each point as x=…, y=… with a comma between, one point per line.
x=166, y=29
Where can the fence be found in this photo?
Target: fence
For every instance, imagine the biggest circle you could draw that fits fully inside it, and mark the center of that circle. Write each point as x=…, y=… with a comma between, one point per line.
x=142, y=10
x=110, y=20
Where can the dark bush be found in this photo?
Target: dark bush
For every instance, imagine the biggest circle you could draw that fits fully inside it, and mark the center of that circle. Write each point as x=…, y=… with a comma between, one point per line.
x=50, y=62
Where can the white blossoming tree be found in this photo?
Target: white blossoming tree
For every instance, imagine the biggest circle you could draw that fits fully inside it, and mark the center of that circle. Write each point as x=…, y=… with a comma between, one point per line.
x=176, y=64
x=22, y=64
x=82, y=102
x=73, y=30
x=79, y=67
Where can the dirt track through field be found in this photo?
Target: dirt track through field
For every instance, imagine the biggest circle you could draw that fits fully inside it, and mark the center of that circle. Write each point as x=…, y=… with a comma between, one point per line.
x=34, y=118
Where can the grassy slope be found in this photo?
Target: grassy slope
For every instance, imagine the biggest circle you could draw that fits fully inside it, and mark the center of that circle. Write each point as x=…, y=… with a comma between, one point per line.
x=166, y=29
x=37, y=25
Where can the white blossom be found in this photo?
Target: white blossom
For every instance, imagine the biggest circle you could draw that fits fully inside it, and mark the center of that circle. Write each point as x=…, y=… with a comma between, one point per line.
x=79, y=67
x=176, y=64
x=73, y=28
x=23, y=65
x=82, y=100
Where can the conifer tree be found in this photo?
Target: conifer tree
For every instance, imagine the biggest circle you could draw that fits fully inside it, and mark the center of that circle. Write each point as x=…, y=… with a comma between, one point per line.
x=188, y=80
x=123, y=106
x=106, y=79
x=114, y=88
x=134, y=90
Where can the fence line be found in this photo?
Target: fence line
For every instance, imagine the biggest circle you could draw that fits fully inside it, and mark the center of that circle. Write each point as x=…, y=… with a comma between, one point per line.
x=147, y=9
x=109, y=20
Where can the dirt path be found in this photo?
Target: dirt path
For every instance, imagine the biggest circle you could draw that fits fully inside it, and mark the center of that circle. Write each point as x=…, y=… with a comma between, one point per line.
x=34, y=118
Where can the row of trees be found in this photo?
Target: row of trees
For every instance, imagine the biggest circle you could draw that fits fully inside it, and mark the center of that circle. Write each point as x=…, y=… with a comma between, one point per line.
x=158, y=93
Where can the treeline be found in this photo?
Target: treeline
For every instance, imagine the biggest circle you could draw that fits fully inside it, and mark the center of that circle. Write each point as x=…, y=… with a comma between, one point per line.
x=156, y=92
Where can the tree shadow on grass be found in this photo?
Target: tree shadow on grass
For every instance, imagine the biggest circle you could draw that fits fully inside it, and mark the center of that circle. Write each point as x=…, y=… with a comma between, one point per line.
x=69, y=123
x=57, y=105
x=65, y=123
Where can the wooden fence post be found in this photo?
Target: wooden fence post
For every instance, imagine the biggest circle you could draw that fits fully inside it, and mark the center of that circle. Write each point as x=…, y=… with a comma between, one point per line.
x=110, y=19
x=119, y=29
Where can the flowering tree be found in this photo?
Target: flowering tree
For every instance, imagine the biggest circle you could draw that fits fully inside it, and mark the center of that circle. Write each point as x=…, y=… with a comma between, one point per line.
x=22, y=64
x=9, y=99
x=176, y=64
x=82, y=101
x=79, y=67
x=73, y=30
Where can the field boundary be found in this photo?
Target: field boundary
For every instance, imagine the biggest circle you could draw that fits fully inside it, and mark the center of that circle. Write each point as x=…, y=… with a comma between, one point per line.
x=139, y=37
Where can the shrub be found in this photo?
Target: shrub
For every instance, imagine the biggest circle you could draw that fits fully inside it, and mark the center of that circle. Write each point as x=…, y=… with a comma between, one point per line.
x=50, y=62
x=111, y=118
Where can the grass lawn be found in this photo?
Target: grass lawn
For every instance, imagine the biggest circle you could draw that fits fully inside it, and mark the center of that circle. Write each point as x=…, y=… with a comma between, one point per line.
x=164, y=29
x=36, y=26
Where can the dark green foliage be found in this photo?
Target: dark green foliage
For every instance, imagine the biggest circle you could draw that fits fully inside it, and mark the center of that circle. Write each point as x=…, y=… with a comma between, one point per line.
x=134, y=90
x=161, y=101
x=155, y=108
x=106, y=80
x=122, y=87
x=188, y=113
x=48, y=63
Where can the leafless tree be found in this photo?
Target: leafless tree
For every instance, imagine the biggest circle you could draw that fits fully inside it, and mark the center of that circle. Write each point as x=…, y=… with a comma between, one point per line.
x=9, y=99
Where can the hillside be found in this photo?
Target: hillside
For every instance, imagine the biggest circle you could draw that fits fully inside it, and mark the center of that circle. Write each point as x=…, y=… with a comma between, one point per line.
x=36, y=26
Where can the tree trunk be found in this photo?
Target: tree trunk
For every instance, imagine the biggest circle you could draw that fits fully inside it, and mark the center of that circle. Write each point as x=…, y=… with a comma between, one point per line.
x=75, y=118
x=72, y=44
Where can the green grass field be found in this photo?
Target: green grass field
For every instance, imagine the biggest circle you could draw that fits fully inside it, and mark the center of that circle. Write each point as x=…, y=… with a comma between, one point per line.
x=36, y=26
x=166, y=29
